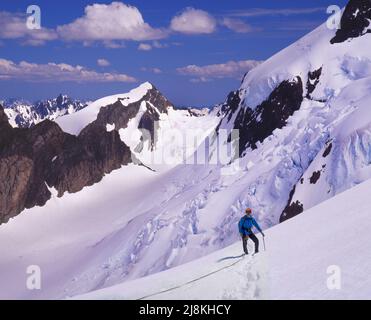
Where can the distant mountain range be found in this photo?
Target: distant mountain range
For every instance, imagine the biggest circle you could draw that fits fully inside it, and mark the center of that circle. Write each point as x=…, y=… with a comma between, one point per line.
x=25, y=114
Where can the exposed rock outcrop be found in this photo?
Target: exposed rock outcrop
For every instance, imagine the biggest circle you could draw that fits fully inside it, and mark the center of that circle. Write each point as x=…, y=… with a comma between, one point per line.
x=258, y=124
x=25, y=156
x=292, y=208
x=355, y=21
x=31, y=160
x=313, y=80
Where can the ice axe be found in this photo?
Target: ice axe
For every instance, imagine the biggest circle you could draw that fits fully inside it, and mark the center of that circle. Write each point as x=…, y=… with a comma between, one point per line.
x=264, y=242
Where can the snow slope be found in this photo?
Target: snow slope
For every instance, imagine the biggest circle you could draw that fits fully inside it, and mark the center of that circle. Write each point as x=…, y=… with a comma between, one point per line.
x=334, y=233
x=63, y=236
x=336, y=110
x=344, y=161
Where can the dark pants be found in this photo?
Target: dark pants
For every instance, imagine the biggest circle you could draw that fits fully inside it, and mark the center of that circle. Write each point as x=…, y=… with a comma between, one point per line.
x=254, y=239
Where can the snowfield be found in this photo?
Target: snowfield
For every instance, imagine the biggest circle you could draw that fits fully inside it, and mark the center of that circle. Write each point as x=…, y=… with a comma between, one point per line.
x=64, y=237
x=303, y=257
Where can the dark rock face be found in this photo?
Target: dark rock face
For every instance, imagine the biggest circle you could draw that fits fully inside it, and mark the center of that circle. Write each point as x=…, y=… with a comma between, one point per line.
x=355, y=21
x=256, y=125
x=291, y=209
x=147, y=125
x=148, y=121
x=327, y=150
x=86, y=159
x=156, y=98
x=25, y=156
x=313, y=80
x=315, y=177
x=4, y=124
x=230, y=106
x=119, y=116
x=30, y=158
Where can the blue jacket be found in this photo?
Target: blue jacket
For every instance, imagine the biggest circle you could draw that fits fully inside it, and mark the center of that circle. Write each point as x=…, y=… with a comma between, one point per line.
x=245, y=225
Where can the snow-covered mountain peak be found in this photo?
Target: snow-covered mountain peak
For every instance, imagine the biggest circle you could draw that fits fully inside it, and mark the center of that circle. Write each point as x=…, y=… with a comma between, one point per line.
x=146, y=121
x=140, y=91
x=146, y=85
x=73, y=124
x=62, y=99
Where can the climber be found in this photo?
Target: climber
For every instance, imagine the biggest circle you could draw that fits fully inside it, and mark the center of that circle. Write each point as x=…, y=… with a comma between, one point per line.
x=244, y=226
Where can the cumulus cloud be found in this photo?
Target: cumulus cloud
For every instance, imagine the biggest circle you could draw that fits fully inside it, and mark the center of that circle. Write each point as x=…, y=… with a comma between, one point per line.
x=236, y=25
x=144, y=47
x=13, y=26
x=115, y=21
x=103, y=63
x=112, y=24
x=53, y=72
x=193, y=21
x=230, y=69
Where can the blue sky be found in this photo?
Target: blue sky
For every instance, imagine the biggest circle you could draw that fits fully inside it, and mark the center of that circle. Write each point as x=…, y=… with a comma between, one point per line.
x=195, y=52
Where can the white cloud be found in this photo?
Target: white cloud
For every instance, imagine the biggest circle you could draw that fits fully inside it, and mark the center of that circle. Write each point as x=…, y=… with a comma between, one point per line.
x=53, y=72
x=155, y=44
x=236, y=25
x=158, y=45
x=103, y=63
x=156, y=70
x=193, y=21
x=115, y=21
x=230, y=69
x=144, y=47
x=13, y=26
